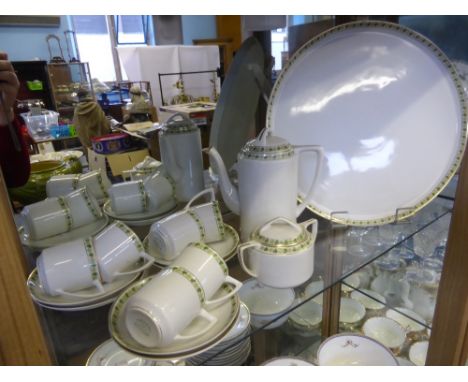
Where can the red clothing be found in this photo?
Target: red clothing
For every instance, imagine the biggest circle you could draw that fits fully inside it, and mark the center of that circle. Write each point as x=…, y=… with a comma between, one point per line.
x=15, y=164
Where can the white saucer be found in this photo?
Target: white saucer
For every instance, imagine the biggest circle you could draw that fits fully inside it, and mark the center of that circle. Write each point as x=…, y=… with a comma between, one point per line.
x=225, y=248
x=109, y=353
x=149, y=221
x=60, y=302
x=78, y=233
x=226, y=314
x=170, y=205
x=80, y=307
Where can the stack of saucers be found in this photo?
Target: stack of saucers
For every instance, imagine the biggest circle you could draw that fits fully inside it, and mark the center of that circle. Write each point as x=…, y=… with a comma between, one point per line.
x=235, y=354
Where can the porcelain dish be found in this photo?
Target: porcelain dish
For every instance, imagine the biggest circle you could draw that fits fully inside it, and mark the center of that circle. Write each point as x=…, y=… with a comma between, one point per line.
x=140, y=216
x=109, y=353
x=230, y=351
x=226, y=314
x=77, y=233
x=382, y=96
x=62, y=302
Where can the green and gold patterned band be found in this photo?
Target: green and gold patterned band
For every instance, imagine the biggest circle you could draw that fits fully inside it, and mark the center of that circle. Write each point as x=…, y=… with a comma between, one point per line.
x=193, y=280
x=214, y=254
x=201, y=227
x=90, y=205
x=219, y=219
x=66, y=210
x=143, y=195
x=136, y=240
x=89, y=247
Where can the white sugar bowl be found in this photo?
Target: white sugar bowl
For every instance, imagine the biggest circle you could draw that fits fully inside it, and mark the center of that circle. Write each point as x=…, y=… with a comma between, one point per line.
x=280, y=253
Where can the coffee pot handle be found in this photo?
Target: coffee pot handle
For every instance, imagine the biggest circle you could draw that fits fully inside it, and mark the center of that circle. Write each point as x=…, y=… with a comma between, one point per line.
x=206, y=191
x=241, y=255
x=207, y=316
x=142, y=268
x=320, y=155
x=229, y=280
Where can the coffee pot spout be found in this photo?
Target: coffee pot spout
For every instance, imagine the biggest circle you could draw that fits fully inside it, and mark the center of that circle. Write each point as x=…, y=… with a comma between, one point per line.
x=228, y=190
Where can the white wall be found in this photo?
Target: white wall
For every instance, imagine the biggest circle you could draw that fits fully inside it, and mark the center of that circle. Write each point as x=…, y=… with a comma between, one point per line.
x=29, y=43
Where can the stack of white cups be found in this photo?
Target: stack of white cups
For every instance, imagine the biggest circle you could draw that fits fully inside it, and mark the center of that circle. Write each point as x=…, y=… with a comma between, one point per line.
x=96, y=183
x=157, y=314
x=169, y=236
x=138, y=196
x=57, y=215
x=72, y=267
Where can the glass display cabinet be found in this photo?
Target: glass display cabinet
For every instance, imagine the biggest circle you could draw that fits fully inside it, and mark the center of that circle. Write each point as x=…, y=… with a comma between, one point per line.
x=66, y=79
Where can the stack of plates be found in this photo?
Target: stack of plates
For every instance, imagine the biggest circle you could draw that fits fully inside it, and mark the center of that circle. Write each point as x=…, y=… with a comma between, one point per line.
x=236, y=353
x=110, y=353
x=72, y=303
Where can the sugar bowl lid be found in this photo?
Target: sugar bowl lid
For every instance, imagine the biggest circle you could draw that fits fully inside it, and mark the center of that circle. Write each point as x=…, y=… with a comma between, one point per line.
x=178, y=124
x=267, y=146
x=282, y=234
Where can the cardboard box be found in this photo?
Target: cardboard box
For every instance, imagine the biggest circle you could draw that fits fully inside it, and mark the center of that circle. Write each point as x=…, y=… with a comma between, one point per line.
x=116, y=163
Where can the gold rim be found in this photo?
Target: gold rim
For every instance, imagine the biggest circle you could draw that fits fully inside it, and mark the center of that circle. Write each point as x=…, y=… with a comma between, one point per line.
x=462, y=100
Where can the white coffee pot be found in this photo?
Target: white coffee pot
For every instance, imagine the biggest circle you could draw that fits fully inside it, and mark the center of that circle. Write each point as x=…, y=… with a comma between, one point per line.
x=267, y=169
x=181, y=155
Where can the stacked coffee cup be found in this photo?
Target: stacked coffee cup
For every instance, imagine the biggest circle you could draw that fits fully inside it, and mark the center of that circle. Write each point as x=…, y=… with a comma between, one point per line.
x=57, y=215
x=158, y=313
x=72, y=267
x=94, y=181
x=142, y=195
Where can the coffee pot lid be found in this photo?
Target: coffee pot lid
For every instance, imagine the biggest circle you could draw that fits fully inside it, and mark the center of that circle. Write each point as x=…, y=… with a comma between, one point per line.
x=267, y=146
x=178, y=123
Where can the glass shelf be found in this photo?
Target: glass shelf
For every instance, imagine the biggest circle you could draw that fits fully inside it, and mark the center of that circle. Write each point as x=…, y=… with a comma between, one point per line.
x=389, y=252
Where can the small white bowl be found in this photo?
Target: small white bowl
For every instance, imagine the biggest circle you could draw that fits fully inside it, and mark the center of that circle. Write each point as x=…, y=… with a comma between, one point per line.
x=307, y=316
x=404, y=362
x=286, y=361
x=418, y=353
x=369, y=302
x=353, y=281
x=265, y=303
x=387, y=331
x=348, y=349
x=313, y=288
x=351, y=311
x=411, y=325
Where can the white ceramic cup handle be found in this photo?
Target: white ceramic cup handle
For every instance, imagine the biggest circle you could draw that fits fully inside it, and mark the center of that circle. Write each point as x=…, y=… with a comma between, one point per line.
x=203, y=314
x=142, y=268
x=314, y=224
x=206, y=191
x=320, y=155
x=242, y=248
x=96, y=283
x=229, y=280
x=280, y=219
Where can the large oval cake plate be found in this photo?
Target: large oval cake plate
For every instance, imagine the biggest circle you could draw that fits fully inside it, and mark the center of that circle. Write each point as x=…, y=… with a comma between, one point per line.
x=388, y=108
